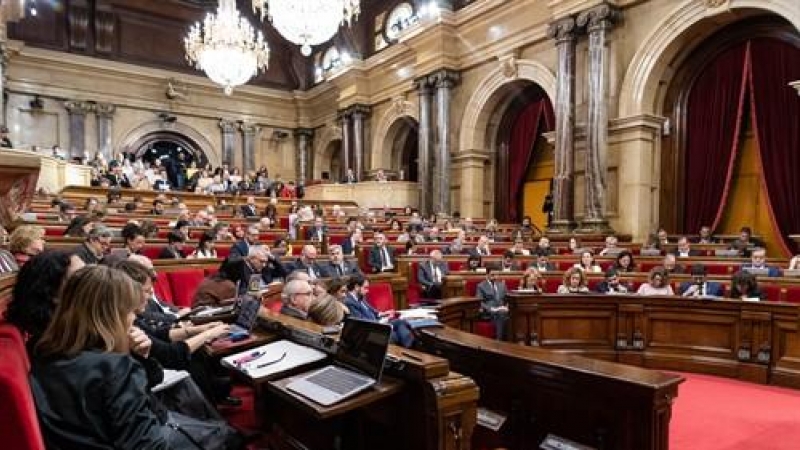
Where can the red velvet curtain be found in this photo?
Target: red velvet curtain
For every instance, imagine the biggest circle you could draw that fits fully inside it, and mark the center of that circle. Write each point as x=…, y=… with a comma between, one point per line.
x=775, y=110
x=714, y=112
x=534, y=119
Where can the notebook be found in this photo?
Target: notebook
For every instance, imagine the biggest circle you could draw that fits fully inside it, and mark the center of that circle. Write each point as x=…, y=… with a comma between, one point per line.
x=248, y=315
x=357, y=365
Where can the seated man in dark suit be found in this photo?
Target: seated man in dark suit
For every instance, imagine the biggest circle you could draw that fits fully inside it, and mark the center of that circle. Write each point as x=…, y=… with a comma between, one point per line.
x=338, y=267
x=543, y=263
x=242, y=247
x=430, y=275
x=175, y=241
x=671, y=265
x=699, y=287
x=260, y=261
x=507, y=264
x=611, y=284
x=746, y=243
x=356, y=302
x=381, y=256
x=758, y=261
x=482, y=249
x=249, y=209
x=705, y=236
x=318, y=232
x=352, y=242
x=493, y=302
x=307, y=262
x=684, y=249
x=97, y=244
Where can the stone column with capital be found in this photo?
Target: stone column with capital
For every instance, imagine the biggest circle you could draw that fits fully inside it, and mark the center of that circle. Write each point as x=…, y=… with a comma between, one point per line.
x=564, y=32
x=359, y=113
x=425, y=146
x=345, y=121
x=598, y=21
x=77, y=128
x=303, y=159
x=444, y=81
x=249, y=133
x=105, y=121
x=228, y=128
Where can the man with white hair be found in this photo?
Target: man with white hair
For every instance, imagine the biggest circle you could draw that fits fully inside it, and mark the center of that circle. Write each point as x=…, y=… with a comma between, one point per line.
x=338, y=267
x=259, y=261
x=157, y=310
x=297, y=296
x=381, y=256
x=308, y=263
x=264, y=224
x=430, y=275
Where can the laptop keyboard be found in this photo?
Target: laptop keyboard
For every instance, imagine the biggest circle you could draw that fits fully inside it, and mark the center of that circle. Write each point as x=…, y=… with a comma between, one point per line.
x=338, y=381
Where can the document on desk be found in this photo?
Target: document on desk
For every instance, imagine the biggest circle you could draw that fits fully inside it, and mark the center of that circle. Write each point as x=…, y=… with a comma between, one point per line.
x=271, y=359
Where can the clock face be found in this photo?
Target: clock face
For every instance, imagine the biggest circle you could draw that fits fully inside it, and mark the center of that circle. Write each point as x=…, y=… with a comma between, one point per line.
x=399, y=19
x=331, y=59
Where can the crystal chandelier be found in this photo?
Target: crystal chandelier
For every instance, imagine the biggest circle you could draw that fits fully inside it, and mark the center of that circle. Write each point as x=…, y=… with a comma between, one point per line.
x=226, y=47
x=308, y=22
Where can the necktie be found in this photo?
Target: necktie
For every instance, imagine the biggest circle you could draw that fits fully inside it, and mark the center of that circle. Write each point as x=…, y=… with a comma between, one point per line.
x=340, y=269
x=384, y=258
x=437, y=277
x=311, y=273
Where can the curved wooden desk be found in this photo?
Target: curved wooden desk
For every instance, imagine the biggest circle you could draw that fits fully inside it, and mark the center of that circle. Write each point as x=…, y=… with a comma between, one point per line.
x=753, y=341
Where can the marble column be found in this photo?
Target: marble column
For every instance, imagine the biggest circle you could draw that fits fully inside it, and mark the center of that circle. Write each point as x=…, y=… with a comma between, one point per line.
x=598, y=21
x=564, y=32
x=444, y=81
x=345, y=118
x=359, y=113
x=303, y=158
x=249, y=133
x=228, y=128
x=105, y=120
x=425, y=145
x=77, y=128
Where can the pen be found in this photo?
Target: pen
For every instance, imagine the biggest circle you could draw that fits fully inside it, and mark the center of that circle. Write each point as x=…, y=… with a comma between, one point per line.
x=247, y=358
x=410, y=356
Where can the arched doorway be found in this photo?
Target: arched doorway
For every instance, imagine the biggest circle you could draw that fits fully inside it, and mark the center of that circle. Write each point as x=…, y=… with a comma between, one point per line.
x=171, y=150
x=402, y=141
x=524, y=162
x=723, y=106
x=330, y=162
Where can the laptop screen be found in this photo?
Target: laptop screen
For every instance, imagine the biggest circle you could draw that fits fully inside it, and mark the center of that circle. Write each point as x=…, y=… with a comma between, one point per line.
x=363, y=346
x=758, y=271
x=248, y=312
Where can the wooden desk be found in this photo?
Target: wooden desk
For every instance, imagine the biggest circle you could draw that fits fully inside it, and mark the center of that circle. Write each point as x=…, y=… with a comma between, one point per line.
x=592, y=402
x=421, y=405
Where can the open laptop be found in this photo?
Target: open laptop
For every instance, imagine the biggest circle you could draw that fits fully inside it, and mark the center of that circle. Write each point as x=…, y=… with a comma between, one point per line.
x=248, y=315
x=357, y=365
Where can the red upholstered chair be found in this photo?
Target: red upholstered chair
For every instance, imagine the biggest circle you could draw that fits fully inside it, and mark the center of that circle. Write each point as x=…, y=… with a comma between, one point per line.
x=162, y=288
x=184, y=284
x=512, y=283
x=151, y=251
x=471, y=286
x=717, y=269
x=223, y=251
x=484, y=328
x=792, y=294
x=54, y=231
x=20, y=426
x=550, y=284
x=210, y=271
x=381, y=296
x=772, y=291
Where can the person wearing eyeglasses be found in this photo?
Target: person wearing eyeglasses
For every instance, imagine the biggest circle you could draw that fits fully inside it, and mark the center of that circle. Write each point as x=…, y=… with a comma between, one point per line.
x=297, y=296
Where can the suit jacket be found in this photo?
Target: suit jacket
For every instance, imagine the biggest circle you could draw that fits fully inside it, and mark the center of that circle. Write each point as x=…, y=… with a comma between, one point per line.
x=348, y=247
x=490, y=299
x=375, y=258
x=360, y=309
x=425, y=272
x=239, y=249
x=348, y=269
x=272, y=270
x=7, y=262
x=711, y=288
x=474, y=252
x=86, y=254
x=692, y=253
x=312, y=233
x=170, y=253
x=298, y=264
x=248, y=210
x=772, y=271
x=549, y=267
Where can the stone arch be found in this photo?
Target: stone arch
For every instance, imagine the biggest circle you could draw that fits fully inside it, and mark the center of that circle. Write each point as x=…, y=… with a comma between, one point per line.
x=323, y=148
x=399, y=110
x=487, y=98
x=139, y=134
x=640, y=93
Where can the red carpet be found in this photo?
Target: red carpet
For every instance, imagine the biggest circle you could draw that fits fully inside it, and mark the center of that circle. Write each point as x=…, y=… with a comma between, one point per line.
x=713, y=413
